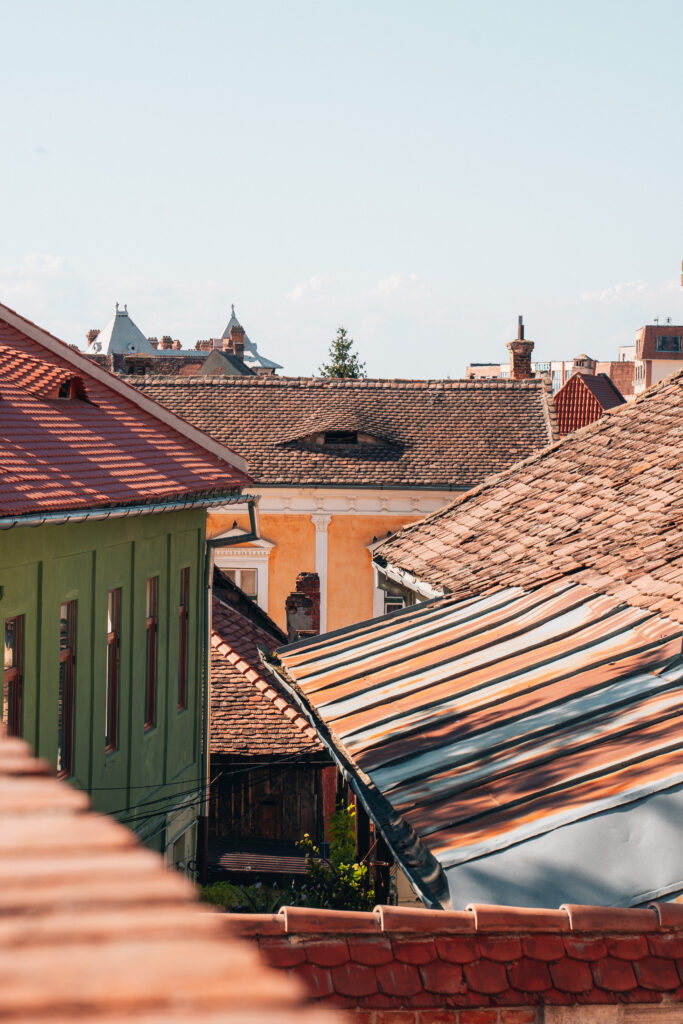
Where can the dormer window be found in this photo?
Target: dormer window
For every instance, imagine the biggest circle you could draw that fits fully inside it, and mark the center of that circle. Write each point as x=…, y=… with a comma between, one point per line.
x=341, y=437
x=66, y=388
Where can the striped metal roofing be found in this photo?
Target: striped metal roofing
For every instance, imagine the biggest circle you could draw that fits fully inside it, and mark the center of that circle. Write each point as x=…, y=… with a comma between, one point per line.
x=469, y=726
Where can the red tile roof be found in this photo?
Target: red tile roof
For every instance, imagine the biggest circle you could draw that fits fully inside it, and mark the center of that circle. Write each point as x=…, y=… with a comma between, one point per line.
x=250, y=714
x=583, y=399
x=603, y=507
x=409, y=965
x=95, y=928
x=428, y=433
x=105, y=446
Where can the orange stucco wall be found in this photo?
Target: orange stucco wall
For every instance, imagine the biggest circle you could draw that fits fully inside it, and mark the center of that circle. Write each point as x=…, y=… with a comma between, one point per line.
x=349, y=565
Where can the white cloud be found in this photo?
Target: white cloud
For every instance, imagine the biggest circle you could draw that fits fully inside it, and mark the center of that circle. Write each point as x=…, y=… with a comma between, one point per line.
x=397, y=283
x=314, y=289
x=629, y=291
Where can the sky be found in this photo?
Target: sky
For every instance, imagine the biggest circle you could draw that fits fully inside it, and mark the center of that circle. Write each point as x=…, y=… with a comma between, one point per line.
x=420, y=173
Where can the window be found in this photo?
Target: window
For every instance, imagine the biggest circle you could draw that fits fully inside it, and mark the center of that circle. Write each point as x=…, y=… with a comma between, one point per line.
x=151, y=628
x=246, y=580
x=667, y=343
x=11, y=696
x=393, y=603
x=183, y=630
x=341, y=437
x=65, y=710
x=111, y=707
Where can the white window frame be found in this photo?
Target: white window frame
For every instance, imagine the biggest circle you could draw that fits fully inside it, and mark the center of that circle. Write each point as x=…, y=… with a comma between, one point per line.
x=253, y=555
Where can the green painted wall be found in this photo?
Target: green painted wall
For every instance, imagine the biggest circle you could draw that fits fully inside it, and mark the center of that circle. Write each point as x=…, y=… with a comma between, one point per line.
x=40, y=567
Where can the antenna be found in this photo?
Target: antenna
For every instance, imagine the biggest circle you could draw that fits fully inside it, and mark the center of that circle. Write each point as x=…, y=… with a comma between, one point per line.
x=668, y=319
x=656, y=319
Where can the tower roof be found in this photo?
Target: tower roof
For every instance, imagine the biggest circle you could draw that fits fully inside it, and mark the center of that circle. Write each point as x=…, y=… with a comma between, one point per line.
x=252, y=357
x=123, y=336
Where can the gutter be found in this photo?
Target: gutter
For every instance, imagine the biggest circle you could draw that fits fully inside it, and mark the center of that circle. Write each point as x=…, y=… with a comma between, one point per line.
x=210, y=546
x=406, y=579
x=119, y=511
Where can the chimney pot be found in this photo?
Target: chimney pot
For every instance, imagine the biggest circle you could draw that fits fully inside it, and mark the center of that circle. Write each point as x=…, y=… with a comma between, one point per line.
x=176, y=346
x=154, y=342
x=166, y=342
x=235, y=343
x=91, y=335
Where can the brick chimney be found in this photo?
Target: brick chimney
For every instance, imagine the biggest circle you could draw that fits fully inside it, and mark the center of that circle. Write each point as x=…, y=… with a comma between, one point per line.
x=176, y=346
x=303, y=607
x=235, y=343
x=91, y=335
x=166, y=342
x=154, y=342
x=520, y=354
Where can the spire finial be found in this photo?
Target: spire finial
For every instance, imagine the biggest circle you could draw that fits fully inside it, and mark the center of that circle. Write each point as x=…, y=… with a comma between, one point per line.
x=232, y=307
x=125, y=308
x=117, y=307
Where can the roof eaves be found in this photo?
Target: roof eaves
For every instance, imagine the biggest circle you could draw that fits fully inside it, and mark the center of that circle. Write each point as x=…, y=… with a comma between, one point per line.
x=90, y=368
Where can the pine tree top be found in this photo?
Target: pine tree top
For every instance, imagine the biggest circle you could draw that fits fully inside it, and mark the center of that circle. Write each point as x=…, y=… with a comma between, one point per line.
x=342, y=362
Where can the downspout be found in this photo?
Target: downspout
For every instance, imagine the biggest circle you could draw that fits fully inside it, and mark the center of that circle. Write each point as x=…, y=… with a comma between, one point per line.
x=205, y=774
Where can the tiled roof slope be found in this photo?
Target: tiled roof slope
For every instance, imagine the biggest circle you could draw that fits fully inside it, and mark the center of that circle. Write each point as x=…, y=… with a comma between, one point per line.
x=583, y=399
x=422, y=966
x=98, y=448
x=95, y=928
x=604, y=507
x=432, y=433
x=249, y=714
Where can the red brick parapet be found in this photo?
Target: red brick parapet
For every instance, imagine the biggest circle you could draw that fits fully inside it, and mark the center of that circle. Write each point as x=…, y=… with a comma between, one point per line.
x=485, y=965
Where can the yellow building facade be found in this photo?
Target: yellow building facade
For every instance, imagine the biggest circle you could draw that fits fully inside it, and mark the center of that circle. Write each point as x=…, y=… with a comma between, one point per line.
x=323, y=530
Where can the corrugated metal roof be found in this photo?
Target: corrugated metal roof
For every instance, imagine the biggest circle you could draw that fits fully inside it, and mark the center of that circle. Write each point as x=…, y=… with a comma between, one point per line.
x=473, y=725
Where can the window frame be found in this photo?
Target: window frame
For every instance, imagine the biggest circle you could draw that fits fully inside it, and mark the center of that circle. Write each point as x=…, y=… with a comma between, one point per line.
x=67, y=657
x=13, y=680
x=113, y=671
x=183, y=637
x=238, y=570
x=661, y=343
x=152, y=651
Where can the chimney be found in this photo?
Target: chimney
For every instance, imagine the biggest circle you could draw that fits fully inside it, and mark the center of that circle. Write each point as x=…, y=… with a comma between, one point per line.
x=91, y=335
x=166, y=342
x=520, y=354
x=176, y=346
x=303, y=607
x=236, y=342
x=154, y=342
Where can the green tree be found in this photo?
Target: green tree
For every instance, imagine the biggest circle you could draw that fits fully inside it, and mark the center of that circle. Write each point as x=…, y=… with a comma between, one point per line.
x=340, y=883
x=342, y=361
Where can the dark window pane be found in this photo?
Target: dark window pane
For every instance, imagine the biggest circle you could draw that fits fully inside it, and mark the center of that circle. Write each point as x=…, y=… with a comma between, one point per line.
x=151, y=629
x=111, y=708
x=65, y=698
x=13, y=669
x=183, y=636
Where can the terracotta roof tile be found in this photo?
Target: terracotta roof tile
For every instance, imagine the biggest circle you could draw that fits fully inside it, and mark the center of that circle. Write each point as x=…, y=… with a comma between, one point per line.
x=602, y=506
x=433, y=433
x=373, y=961
x=250, y=714
x=93, y=927
x=96, y=448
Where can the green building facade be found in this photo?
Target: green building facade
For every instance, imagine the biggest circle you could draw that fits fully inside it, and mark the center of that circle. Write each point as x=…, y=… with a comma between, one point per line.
x=104, y=638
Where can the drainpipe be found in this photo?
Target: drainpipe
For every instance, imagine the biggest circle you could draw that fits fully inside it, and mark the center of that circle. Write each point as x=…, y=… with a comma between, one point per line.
x=211, y=545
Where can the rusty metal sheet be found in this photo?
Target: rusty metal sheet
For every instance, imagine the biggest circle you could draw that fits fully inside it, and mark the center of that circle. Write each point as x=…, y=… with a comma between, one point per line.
x=485, y=722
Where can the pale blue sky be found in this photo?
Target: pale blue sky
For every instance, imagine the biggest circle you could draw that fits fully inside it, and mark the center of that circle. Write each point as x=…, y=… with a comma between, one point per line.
x=420, y=172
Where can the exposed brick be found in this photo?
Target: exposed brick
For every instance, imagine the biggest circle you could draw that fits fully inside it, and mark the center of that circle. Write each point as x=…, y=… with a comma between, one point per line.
x=614, y=975
x=583, y=948
x=363, y=1017
x=478, y=1016
x=444, y=1016
x=354, y=980
x=457, y=949
x=327, y=952
x=518, y=1016
x=571, y=975
x=543, y=947
x=282, y=954
x=440, y=977
x=486, y=976
x=399, y=979
x=370, y=950
x=414, y=951
x=657, y=973
x=317, y=980
x=529, y=975
x=627, y=947
x=503, y=948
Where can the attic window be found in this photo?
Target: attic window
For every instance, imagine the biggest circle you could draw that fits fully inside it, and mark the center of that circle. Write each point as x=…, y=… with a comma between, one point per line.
x=66, y=388
x=341, y=437
x=668, y=343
